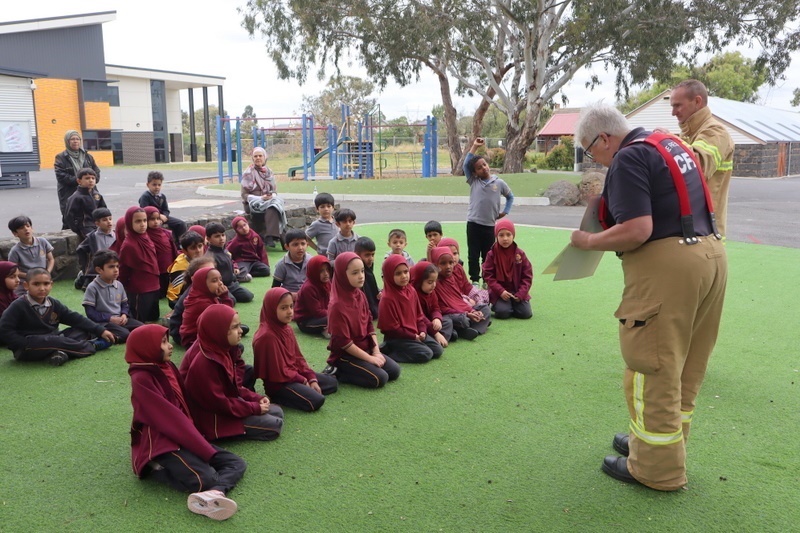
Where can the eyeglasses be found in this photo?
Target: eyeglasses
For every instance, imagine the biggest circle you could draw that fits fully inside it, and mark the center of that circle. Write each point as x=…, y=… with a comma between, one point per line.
x=587, y=150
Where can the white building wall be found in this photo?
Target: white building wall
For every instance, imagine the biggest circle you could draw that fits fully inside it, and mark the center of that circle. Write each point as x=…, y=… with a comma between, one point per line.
x=174, y=122
x=135, y=111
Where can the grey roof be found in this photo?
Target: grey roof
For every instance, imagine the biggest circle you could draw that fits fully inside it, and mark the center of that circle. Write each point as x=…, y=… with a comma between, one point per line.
x=765, y=123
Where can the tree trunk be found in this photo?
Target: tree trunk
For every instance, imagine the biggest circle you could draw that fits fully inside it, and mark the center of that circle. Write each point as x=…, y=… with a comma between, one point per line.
x=516, y=146
x=450, y=121
x=477, y=126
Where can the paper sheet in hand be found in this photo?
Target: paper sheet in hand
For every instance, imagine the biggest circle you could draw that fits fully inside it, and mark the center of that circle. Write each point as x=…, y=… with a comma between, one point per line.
x=573, y=263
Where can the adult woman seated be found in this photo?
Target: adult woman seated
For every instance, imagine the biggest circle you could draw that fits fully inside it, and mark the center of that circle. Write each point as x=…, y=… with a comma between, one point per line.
x=67, y=165
x=260, y=197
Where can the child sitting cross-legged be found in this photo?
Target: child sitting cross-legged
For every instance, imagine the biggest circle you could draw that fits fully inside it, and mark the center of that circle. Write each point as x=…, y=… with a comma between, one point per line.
x=401, y=319
x=470, y=319
x=480, y=296
x=102, y=238
x=247, y=250
x=311, y=304
x=105, y=300
x=279, y=362
x=213, y=371
x=290, y=272
x=176, y=316
x=423, y=278
x=207, y=289
x=355, y=356
x=29, y=327
x=215, y=235
x=165, y=444
x=193, y=246
x=509, y=274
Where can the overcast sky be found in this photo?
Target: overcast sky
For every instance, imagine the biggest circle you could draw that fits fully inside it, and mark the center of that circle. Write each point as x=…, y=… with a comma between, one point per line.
x=177, y=35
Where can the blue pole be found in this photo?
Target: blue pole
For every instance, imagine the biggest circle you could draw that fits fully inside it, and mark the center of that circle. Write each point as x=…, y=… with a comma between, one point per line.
x=333, y=152
x=219, y=149
x=228, y=147
x=239, y=150
x=435, y=148
x=311, y=147
x=425, y=151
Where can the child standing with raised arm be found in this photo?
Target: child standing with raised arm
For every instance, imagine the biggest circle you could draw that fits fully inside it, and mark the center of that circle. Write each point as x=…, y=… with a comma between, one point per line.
x=105, y=301
x=324, y=228
x=165, y=444
x=509, y=275
x=485, y=190
x=401, y=320
x=30, y=252
x=355, y=356
x=280, y=364
x=153, y=197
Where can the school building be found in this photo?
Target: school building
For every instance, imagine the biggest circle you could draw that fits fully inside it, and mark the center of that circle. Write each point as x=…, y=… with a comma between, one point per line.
x=125, y=114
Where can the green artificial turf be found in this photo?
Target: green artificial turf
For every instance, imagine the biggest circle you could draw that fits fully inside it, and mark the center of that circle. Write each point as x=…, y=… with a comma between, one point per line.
x=523, y=185
x=505, y=433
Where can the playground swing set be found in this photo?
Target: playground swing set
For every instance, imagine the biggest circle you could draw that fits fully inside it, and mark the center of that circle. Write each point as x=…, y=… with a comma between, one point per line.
x=351, y=149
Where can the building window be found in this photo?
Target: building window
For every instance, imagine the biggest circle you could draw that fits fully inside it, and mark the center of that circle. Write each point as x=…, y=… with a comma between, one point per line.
x=159, y=105
x=116, y=143
x=100, y=91
x=97, y=140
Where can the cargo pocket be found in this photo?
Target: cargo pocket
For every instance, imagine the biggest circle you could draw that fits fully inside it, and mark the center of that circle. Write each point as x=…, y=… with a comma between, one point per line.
x=638, y=334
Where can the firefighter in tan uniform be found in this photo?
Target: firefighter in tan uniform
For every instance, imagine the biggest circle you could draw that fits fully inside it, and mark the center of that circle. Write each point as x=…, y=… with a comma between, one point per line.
x=709, y=140
x=657, y=212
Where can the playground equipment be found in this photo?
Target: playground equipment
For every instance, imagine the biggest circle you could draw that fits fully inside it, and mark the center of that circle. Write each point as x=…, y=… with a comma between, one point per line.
x=351, y=149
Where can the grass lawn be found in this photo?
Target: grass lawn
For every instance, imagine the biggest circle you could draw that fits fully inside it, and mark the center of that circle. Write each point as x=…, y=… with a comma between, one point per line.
x=523, y=184
x=505, y=433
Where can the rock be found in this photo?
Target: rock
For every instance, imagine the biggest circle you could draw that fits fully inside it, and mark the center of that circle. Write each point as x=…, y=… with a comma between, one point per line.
x=591, y=184
x=563, y=193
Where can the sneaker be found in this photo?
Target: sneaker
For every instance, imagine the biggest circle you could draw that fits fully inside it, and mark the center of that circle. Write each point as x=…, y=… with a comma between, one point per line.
x=79, y=280
x=100, y=344
x=330, y=370
x=248, y=278
x=213, y=504
x=326, y=334
x=468, y=334
x=58, y=358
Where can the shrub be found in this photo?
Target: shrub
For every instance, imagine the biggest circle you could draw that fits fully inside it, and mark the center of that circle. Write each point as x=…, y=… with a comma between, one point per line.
x=535, y=159
x=496, y=157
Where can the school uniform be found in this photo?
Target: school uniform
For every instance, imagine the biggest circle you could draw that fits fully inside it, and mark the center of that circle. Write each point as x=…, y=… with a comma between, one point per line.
x=221, y=406
x=401, y=320
x=409, y=261
x=371, y=291
x=165, y=444
x=79, y=210
x=159, y=201
x=311, y=304
x=340, y=244
x=508, y=269
x=280, y=364
x=105, y=300
x=93, y=243
x=249, y=253
x=198, y=299
x=349, y=323
x=30, y=330
x=323, y=231
x=177, y=279
x=290, y=275
x=482, y=213
x=28, y=256
x=6, y=295
x=138, y=271
x=430, y=303
x=450, y=293
x=225, y=265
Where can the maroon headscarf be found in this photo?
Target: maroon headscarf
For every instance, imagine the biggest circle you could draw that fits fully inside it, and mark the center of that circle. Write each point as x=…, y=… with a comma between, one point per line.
x=400, y=313
x=428, y=302
x=504, y=258
x=6, y=296
x=138, y=251
x=198, y=229
x=313, y=294
x=198, y=299
x=348, y=312
x=460, y=275
x=276, y=355
x=143, y=347
x=119, y=235
x=212, y=336
x=166, y=252
x=447, y=289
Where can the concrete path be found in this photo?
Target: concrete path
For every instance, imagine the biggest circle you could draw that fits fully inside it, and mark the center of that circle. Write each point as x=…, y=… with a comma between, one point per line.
x=759, y=211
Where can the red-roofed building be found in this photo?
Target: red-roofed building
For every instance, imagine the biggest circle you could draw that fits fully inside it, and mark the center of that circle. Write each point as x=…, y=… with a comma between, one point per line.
x=561, y=123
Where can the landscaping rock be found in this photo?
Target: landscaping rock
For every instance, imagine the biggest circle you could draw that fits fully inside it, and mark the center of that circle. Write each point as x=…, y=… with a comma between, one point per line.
x=591, y=185
x=563, y=193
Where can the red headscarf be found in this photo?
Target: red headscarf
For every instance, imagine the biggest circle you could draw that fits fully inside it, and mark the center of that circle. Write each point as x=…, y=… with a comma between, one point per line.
x=448, y=241
x=459, y=273
x=166, y=252
x=119, y=235
x=199, y=229
x=143, y=347
x=504, y=258
x=198, y=299
x=447, y=289
x=6, y=295
x=427, y=301
x=276, y=355
x=212, y=336
x=348, y=312
x=313, y=293
x=400, y=314
x=138, y=251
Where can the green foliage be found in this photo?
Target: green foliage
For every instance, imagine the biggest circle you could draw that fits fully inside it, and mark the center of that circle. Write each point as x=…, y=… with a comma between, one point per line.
x=496, y=157
x=535, y=159
x=246, y=126
x=795, y=98
x=494, y=124
x=562, y=156
x=400, y=129
x=327, y=107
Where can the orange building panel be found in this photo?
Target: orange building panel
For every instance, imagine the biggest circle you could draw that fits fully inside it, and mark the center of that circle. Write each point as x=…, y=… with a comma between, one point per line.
x=97, y=115
x=57, y=111
x=103, y=159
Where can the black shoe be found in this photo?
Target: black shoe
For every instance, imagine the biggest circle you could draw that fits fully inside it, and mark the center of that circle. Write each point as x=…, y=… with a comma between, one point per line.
x=330, y=370
x=245, y=329
x=468, y=334
x=58, y=358
x=620, y=443
x=617, y=467
x=453, y=337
